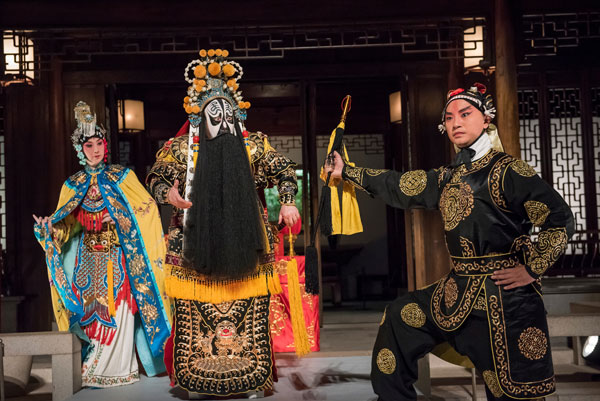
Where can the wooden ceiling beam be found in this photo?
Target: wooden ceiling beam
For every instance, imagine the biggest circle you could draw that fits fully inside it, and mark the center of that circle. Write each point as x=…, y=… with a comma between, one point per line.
x=21, y=14
x=262, y=74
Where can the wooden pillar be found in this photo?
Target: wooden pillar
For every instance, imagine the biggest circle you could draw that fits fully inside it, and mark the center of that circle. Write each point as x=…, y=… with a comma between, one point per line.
x=29, y=166
x=396, y=158
x=113, y=130
x=506, y=79
x=456, y=79
x=311, y=170
x=60, y=141
x=427, y=255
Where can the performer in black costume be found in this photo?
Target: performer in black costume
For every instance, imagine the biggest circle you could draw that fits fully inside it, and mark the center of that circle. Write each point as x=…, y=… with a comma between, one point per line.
x=489, y=307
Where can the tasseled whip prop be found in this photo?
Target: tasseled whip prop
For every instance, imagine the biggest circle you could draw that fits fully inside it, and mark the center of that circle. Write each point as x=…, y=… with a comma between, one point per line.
x=311, y=261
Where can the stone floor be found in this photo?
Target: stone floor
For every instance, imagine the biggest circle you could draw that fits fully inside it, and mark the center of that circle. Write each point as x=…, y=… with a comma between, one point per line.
x=341, y=370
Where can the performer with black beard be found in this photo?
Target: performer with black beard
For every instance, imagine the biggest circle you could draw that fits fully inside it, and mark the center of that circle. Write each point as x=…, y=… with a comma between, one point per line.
x=219, y=254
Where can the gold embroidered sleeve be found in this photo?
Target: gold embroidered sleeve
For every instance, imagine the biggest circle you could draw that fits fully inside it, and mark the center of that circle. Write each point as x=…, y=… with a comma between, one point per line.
x=418, y=188
x=413, y=182
x=550, y=245
x=278, y=170
x=60, y=234
x=354, y=175
x=533, y=199
x=63, y=230
x=170, y=165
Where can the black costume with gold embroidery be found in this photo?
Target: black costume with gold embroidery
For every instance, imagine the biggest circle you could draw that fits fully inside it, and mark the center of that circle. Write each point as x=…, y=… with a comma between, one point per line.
x=488, y=211
x=221, y=347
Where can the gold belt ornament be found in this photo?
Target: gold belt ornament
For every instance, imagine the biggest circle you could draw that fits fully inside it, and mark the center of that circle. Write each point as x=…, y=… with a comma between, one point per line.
x=487, y=264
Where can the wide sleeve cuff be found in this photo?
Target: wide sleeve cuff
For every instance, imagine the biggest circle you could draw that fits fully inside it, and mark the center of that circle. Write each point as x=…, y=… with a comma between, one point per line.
x=551, y=244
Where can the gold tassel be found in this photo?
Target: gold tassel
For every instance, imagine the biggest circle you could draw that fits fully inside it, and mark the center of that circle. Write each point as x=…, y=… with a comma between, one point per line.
x=109, y=280
x=296, y=311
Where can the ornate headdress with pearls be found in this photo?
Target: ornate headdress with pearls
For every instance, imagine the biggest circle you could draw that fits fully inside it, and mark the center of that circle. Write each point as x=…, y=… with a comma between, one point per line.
x=86, y=129
x=212, y=76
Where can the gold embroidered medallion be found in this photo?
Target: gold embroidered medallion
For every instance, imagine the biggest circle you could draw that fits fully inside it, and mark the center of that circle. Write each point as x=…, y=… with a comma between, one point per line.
x=522, y=168
x=491, y=381
x=456, y=204
x=413, y=182
x=533, y=343
x=413, y=315
x=386, y=361
x=450, y=293
x=536, y=211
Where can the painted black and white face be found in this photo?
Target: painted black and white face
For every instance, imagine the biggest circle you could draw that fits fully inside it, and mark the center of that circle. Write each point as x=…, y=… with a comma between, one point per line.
x=218, y=114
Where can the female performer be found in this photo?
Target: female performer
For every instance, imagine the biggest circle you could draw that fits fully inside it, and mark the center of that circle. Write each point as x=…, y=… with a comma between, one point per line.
x=104, y=250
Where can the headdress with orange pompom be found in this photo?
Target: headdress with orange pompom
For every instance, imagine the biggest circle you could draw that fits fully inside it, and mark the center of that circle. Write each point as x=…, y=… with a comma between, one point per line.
x=212, y=76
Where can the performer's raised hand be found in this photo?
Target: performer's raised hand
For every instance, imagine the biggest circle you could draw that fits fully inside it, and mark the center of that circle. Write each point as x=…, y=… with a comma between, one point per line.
x=335, y=165
x=42, y=221
x=175, y=199
x=513, y=277
x=289, y=215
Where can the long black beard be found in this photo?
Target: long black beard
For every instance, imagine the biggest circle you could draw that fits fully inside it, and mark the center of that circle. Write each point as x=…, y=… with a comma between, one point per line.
x=224, y=230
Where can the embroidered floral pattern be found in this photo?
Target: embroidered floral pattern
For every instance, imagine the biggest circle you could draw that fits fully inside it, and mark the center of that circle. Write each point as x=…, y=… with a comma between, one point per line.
x=450, y=293
x=277, y=316
x=533, y=343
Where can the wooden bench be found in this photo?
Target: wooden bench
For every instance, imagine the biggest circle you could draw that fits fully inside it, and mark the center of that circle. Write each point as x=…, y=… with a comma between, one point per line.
x=65, y=349
x=581, y=323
